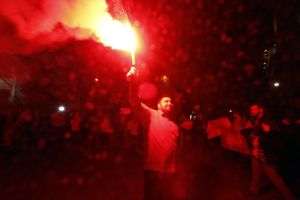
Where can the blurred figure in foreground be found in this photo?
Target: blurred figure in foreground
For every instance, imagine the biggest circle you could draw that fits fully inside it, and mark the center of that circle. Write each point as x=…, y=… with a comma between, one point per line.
x=263, y=158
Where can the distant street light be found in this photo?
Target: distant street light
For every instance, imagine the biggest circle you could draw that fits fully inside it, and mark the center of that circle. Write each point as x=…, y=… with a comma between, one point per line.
x=276, y=84
x=61, y=108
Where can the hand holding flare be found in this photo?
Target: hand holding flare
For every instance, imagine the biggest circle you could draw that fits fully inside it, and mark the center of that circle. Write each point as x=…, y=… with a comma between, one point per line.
x=131, y=73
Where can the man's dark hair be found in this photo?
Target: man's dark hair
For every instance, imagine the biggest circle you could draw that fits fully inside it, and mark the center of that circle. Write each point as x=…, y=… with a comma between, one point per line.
x=159, y=98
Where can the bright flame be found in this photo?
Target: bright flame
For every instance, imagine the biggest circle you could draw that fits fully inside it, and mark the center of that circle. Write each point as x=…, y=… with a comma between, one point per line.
x=117, y=34
x=93, y=16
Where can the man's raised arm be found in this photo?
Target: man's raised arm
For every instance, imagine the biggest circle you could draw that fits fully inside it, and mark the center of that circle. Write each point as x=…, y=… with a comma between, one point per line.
x=134, y=98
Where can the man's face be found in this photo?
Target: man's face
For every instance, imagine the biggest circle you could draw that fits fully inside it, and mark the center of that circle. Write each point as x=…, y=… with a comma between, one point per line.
x=255, y=110
x=165, y=105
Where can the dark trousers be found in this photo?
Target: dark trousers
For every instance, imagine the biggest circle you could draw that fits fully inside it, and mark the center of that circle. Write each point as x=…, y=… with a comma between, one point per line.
x=159, y=186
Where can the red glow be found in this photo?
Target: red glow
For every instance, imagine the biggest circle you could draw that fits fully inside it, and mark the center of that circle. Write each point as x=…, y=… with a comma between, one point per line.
x=147, y=91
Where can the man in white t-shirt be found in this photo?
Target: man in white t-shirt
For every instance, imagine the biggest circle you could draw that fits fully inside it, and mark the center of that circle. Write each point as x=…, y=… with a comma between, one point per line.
x=161, y=146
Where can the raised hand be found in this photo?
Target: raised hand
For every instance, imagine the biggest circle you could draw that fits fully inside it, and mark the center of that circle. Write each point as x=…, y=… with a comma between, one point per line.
x=131, y=73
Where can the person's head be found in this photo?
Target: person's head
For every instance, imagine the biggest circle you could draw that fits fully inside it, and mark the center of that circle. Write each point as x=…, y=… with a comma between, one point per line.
x=165, y=105
x=256, y=110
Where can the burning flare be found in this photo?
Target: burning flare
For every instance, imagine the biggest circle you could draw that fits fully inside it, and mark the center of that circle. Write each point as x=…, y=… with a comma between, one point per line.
x=93, y=16
x=117, y=34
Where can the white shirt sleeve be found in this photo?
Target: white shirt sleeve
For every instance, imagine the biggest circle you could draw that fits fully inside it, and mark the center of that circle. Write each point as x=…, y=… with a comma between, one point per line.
x=147, y=108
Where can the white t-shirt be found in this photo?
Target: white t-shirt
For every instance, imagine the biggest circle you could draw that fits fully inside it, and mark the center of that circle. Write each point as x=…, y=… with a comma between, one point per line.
x=162, y=138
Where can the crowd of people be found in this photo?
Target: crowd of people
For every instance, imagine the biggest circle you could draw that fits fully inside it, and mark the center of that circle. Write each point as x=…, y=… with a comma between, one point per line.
x=109, y=131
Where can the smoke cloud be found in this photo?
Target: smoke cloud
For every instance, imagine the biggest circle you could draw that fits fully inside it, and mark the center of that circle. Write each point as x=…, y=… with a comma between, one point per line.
x=27, y=25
